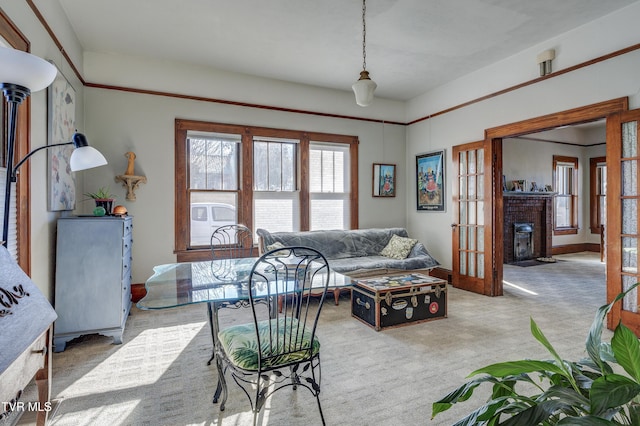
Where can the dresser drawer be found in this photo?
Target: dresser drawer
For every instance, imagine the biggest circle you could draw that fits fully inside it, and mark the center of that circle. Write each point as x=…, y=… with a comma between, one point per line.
x=21, y=371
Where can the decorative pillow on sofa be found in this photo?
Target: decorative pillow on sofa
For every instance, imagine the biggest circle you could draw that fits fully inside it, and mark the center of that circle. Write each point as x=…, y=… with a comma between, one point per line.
x=398, y=247
x=277, y=245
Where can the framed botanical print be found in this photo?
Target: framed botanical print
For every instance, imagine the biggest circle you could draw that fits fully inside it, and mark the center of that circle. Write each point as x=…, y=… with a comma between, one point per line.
x=430, y=181
x=61, y=126
x=384, y=180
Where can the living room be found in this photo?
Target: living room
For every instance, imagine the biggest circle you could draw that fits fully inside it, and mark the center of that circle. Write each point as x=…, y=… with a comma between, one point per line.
x=130, y=103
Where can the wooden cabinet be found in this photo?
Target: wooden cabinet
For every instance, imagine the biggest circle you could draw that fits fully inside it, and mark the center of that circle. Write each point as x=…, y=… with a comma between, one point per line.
x=93, y=278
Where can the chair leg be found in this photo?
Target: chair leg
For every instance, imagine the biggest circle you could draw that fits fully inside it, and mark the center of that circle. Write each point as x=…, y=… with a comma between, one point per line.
x=213, y=337
x=222, y=386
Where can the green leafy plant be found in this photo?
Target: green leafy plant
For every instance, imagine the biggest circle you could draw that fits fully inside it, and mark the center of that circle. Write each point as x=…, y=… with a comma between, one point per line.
x=102, y=193
x=587, y=392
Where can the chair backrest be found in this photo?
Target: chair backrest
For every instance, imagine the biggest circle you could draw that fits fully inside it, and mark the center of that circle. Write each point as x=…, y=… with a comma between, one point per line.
x=285, y=317
x=231, y=241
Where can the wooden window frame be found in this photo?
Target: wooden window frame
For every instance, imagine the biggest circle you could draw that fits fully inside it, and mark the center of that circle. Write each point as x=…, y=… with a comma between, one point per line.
x=245, y=193
x=573, y=229
x=594, y=202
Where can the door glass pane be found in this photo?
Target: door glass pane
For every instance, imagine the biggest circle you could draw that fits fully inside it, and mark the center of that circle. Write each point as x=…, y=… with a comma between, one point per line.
x=629, y=216
x=480, y=161
x=472, y=187
x=463, y=188
x=463, y=237
x=629, y=139
x=472, y=213
x=480, y=239
x=463, y=163
x=630, y=255
x=463, y=263
x=463, y=213
x=472, y=265
x=630, y=302
x=480, y=187
x=472, y=162
x=480, y=213
x=472, y=238
x=480, y=265
x=629, y=177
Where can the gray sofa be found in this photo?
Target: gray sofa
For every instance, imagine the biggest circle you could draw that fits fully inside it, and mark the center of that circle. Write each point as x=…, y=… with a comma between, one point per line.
x=353, y=252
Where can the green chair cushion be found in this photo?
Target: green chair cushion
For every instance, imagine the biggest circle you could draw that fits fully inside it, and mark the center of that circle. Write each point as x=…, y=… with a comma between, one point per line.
x=240, y=344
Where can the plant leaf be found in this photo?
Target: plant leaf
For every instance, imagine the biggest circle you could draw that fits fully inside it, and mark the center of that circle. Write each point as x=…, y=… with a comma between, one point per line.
x=513, y=368
x=585, y=421
x=626, y=349
x=611, y=391
x=594, y=338
x=535, y=415
x=540, y=337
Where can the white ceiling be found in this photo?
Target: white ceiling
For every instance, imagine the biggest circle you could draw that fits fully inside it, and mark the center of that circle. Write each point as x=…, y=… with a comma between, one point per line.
x=412, y=45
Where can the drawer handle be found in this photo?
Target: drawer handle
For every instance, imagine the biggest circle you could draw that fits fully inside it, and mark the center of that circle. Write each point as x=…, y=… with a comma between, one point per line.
x=42, y=351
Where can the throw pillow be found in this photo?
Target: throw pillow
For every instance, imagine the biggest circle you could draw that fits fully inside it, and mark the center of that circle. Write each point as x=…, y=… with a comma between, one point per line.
x=277, y=245
x=398, y=247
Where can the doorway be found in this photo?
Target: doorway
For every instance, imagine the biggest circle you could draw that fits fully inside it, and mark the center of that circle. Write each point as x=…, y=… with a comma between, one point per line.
x=493, y=281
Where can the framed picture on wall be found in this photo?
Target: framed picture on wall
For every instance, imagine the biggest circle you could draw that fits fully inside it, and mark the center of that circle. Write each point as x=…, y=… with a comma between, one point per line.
x=384, y=180
x=430, y=181
x=61, y=123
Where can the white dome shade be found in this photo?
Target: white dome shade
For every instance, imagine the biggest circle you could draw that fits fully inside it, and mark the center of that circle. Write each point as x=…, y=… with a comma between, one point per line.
x=86, y=157
x=25, y=69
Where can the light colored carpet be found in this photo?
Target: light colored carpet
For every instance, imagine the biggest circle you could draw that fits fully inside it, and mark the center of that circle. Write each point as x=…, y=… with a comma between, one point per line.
x=159, y=376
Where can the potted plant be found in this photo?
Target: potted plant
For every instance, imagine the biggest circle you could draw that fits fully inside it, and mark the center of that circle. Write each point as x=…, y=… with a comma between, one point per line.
x=103, y=198
x=559, y=392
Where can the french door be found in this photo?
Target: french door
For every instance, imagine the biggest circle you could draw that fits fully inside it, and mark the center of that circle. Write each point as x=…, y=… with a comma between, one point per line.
x=472, y=230
x=622, y=228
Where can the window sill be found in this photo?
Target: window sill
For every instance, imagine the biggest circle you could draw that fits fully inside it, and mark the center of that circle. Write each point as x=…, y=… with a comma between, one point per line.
x=565, y=231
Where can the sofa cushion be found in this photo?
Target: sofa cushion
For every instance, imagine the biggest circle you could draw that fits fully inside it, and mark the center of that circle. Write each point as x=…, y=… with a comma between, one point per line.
x=398, y=247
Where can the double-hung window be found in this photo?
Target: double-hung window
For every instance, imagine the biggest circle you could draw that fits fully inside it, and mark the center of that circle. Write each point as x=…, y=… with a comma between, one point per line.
x=565, y=184
x=276, y=179
x=598, y=193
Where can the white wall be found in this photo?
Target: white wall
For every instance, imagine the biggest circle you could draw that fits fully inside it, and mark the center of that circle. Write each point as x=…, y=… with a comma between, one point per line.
x=614, y=78
x=121, y=121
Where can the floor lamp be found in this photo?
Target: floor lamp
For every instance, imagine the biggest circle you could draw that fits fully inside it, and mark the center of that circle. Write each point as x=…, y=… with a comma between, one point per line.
x=20, y=74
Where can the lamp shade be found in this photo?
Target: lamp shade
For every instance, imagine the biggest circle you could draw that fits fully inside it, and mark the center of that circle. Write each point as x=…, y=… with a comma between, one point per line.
x=363, y=89
x=84, y=156
x=25, y=69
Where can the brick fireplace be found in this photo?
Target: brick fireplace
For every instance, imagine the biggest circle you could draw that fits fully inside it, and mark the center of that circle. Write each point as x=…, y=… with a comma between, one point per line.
x=535, y=209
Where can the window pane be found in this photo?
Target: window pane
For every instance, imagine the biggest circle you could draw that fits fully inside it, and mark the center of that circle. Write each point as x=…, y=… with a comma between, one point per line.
x=629, y=139
x=208, y=211
x=276, y=211
x=213, y=162
x=329, y=186
x=274, y=166
x=563, y=211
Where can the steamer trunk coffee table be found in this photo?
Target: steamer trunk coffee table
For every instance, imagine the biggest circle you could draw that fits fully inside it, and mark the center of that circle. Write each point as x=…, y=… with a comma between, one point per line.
x=397, y=300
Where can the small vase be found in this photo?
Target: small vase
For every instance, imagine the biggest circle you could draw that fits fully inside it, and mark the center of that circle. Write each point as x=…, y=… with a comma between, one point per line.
x=107, y=203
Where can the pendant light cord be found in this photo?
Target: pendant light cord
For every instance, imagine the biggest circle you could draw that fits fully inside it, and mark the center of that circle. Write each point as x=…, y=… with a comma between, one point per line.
x=364, y=35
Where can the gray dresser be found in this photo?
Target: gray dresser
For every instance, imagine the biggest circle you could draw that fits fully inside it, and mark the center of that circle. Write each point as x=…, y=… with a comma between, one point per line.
x=93, y=278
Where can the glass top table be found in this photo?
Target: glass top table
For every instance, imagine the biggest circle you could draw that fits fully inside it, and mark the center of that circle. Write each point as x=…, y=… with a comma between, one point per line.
x=211, y=281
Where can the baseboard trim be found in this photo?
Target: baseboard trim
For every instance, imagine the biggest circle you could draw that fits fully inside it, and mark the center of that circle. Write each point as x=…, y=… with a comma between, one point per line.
x=137, y=292
x=575, y=248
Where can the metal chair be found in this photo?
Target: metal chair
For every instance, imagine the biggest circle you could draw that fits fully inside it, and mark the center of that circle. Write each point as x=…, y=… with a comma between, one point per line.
x=289, y=351
x=227, y=242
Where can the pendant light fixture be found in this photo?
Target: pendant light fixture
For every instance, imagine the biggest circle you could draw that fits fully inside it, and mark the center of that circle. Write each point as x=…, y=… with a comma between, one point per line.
x=364, y=87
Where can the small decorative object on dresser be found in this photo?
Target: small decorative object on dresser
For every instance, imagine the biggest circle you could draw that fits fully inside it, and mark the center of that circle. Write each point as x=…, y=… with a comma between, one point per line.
x=103, y=198
x=93, y=277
